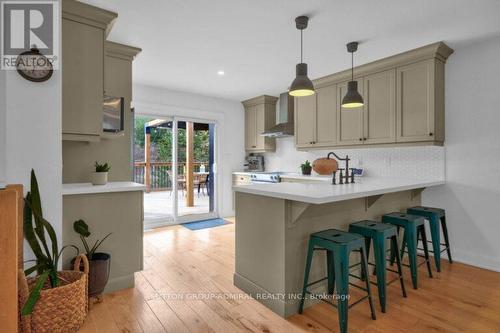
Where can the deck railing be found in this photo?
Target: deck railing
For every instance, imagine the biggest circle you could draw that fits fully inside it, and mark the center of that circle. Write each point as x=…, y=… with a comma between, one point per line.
x=159, y=178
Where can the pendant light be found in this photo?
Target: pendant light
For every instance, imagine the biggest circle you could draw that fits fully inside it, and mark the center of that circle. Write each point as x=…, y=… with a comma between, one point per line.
x=352, y=98
x=301, y=86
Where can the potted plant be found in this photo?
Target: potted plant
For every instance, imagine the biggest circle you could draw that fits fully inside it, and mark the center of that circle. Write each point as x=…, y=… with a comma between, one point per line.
x=99, y=262
x=306, y=168
x=51, y=293
x=100, y=176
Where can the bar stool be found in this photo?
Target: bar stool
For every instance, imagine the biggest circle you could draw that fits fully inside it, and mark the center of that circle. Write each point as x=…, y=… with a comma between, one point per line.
x=414, y=228
x=338, y=244
x=379, y=233
x=434, y=216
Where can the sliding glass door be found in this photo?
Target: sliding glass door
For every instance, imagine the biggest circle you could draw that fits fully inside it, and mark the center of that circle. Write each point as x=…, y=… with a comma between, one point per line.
x=195, y=170
x=176, y=159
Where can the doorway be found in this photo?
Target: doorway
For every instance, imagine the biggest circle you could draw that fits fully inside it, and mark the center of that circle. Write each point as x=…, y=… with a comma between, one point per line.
x=176, y=159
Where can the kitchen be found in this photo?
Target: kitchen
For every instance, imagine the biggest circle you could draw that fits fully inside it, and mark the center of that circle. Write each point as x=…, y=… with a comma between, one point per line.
x=404, y=107
x=351, y=159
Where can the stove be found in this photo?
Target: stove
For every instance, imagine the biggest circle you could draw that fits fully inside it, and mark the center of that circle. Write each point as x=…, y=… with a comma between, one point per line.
x=265, y=177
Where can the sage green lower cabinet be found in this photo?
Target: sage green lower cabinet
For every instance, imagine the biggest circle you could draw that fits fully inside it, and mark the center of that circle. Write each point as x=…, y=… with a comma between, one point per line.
x=349, y=120
x=379, y=120
x=120, y=213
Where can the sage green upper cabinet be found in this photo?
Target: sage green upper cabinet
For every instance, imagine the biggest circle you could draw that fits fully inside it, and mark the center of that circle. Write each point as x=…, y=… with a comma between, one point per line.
x=315, y=118
x=260, y=115
x=403, y=104
x=83, y=35
x=349, y=120
x=305, y=121
x=326, y=116
x=417, y=106
x=379, y=120
x=82, y=78
x=250, y=127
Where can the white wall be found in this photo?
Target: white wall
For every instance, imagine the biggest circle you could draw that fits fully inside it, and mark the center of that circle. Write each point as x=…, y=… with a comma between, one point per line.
x=31, y=126
x=472, y=194
x=228, y=115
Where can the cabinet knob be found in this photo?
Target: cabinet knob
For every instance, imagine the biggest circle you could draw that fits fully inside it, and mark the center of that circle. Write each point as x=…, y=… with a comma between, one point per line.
x=364, y=139
x=360, y=139
x=430, y=134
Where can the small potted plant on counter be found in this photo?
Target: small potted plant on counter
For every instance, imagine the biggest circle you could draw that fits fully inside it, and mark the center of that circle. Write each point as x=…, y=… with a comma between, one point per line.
x=99, y=262
x=100, y=176
x=306, y=168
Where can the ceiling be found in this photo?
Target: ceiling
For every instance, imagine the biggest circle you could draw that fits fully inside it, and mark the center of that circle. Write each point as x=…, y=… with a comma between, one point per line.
x=185, y=42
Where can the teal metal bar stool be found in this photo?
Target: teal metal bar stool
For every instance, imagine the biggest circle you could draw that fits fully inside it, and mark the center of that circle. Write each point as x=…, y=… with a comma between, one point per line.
x=414, y=229
x=379, y=233
x=435, y=216
x=338, y=245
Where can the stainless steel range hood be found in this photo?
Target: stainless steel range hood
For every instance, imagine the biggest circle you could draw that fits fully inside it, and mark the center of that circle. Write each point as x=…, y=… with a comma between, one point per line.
x=285, y=127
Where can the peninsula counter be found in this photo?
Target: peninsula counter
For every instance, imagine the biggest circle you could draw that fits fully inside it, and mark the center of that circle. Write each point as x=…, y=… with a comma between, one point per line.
x=274, y=221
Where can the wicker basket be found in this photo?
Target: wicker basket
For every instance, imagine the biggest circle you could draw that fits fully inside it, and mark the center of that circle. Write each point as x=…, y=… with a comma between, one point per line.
x=58, y=310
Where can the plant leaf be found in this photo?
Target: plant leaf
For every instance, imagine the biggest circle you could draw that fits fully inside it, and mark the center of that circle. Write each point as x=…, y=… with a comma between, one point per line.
x=102, y=240
x=35, y=193
x=92, y=250
x=85, y=244
x=81, y=228
x=39, y=227
x=34, y=295
x=37, y=267
x=29, y=232
x=65, y=247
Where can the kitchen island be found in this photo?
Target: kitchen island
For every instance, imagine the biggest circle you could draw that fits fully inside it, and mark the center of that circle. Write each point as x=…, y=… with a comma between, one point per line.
x=274, y=221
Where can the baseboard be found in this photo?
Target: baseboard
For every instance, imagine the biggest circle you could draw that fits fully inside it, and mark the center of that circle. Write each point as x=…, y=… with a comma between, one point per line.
x=276, y=305
x=481, y=261
x=119, y=283
x=153, y=224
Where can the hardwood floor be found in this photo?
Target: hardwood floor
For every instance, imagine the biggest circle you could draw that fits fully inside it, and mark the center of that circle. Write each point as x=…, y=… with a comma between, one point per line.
x=178, y=261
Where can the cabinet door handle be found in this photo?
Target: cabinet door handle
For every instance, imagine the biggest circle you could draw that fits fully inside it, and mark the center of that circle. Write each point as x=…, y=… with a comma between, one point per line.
x=430, y=134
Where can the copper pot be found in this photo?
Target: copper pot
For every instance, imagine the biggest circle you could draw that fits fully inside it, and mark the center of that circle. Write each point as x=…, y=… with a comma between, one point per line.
x=325, y=166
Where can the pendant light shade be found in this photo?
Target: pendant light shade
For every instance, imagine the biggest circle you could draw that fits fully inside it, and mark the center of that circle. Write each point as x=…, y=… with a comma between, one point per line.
x=352, y=98
x=302, y=85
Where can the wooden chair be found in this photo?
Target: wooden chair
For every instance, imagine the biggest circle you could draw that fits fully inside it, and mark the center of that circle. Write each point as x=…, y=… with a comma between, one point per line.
x=11, y=259
x=181, y=182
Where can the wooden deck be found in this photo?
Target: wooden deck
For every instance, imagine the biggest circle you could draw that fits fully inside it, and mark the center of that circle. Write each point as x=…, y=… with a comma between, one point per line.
x=180, y=262
x=158, y=205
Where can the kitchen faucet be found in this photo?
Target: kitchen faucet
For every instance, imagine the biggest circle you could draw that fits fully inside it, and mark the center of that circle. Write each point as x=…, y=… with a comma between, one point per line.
x=348, y=178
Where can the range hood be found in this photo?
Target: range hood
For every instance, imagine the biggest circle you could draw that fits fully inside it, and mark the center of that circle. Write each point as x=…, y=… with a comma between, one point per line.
x=285, y=127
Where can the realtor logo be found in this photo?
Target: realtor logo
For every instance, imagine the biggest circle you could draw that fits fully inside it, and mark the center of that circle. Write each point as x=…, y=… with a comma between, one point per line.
x=27, y=24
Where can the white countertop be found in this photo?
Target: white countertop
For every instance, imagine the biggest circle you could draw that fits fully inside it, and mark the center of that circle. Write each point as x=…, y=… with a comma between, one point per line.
x=319, y=193
x=313, y=177
x=88, y=188
x=290, y=175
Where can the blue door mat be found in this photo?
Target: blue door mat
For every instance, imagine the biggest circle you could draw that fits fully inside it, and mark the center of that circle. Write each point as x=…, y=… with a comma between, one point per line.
x=205, y=224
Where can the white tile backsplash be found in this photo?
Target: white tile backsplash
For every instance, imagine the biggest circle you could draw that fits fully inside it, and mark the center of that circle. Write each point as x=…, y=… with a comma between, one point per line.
x=411, y=162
